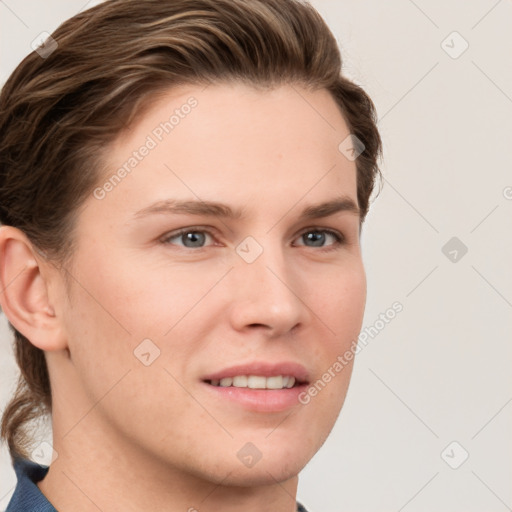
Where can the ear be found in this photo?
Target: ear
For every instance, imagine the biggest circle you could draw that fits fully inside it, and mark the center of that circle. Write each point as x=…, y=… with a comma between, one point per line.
x=24, y=284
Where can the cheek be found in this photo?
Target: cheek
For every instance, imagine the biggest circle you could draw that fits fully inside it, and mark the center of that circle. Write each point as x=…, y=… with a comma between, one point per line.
x=99, y=322
x=117, y=303
x=108, y=319
x=149, y=298
x=341, y=310
x=351, y=304
x=340, y=306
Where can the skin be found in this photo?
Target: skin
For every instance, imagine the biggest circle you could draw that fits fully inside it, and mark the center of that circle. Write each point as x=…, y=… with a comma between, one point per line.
x=150, y=438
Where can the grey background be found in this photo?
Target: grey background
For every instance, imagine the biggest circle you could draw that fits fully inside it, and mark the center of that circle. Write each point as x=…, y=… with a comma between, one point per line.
x=440, y=371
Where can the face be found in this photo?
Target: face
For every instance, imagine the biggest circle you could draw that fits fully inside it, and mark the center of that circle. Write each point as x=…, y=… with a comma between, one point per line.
x=208, y=262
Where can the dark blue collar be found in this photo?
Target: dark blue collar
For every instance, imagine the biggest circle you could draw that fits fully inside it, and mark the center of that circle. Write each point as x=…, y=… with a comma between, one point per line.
x=27, y=497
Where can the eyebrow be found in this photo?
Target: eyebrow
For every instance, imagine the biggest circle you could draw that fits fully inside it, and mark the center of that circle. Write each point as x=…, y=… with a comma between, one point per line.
x=216, y=209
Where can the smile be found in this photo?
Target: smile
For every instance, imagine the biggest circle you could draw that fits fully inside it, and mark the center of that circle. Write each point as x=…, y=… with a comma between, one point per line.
x=256, y=382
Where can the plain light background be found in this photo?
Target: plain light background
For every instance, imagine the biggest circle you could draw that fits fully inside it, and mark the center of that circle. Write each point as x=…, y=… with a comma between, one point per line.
x=434, y=386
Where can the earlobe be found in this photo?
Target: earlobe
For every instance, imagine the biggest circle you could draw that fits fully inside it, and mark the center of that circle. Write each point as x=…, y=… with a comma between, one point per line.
x=24, y=289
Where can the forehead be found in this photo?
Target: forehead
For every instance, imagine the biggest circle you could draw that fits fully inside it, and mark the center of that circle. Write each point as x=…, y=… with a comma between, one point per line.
x=234, y=144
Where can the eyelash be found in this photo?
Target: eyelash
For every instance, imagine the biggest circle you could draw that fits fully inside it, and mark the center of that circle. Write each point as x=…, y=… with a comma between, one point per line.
x=338, y=237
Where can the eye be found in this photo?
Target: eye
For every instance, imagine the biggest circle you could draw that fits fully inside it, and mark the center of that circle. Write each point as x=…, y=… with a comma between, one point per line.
x=317, y=238
x=192, y=238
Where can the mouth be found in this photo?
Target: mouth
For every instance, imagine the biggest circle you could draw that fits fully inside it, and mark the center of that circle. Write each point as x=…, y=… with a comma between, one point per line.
x=259, y=387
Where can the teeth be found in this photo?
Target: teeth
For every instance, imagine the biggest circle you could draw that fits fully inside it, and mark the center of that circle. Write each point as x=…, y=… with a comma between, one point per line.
x=240, y=381
x=275, y=382
x=256, y=382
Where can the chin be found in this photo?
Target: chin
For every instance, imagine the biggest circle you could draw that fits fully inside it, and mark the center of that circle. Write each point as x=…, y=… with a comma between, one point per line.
x=263, y=473
x=226, y=468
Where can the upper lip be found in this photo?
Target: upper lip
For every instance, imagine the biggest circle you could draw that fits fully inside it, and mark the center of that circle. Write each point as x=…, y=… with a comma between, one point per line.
x=263, y=369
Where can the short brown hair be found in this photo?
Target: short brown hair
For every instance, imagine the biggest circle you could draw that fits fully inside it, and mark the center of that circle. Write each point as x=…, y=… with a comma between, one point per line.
x=61, y=109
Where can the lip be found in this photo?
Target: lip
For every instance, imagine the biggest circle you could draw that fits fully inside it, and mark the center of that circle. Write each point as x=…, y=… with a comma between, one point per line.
x=259, y=400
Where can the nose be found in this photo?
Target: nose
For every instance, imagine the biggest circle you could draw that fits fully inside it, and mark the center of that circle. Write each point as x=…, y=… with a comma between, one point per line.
x=267, y=295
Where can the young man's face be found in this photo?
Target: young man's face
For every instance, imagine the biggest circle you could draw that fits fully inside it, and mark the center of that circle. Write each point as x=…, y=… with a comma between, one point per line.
x=260, y=291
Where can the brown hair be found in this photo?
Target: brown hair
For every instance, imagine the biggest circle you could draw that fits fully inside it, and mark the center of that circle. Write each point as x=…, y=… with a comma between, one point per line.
x=60, y=109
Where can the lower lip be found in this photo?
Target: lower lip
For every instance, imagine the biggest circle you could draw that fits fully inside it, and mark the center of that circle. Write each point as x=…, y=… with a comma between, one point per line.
x=260, y=400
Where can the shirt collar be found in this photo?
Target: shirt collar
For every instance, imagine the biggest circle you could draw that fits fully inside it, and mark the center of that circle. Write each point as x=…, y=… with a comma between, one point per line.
x=27, y=496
